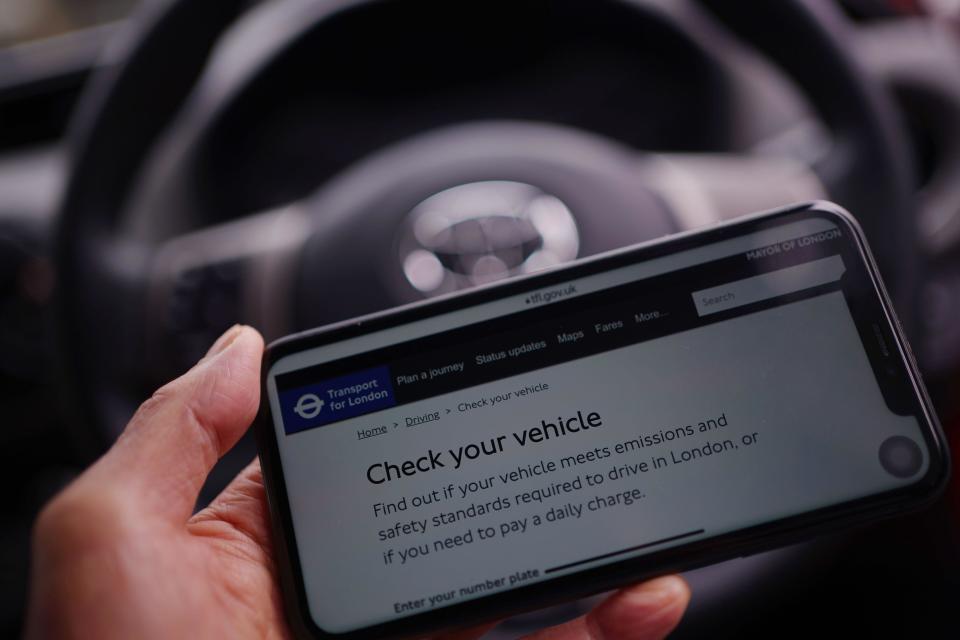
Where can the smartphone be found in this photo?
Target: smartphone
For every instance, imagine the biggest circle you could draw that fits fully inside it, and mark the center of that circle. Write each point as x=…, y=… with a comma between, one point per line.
x=649, y=410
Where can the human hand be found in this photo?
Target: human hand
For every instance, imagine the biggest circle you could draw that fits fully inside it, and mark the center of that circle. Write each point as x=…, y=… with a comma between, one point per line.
x=120, y=553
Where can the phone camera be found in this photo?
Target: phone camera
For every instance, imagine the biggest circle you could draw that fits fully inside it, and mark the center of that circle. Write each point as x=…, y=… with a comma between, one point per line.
x=900, y=456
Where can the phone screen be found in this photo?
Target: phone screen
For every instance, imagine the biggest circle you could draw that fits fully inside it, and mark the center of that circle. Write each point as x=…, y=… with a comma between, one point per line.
x=620, y=412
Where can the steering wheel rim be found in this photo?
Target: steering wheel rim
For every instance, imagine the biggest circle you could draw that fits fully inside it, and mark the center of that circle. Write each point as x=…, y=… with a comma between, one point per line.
x=110, y=100
x=124, y=112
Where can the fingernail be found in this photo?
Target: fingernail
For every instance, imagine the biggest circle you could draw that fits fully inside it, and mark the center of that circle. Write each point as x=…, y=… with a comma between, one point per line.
x=656, y=593
x=668, y=588
x=224, y=340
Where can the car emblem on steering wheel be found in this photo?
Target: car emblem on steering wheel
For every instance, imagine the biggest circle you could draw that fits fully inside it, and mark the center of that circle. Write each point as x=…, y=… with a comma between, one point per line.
x=484, y=231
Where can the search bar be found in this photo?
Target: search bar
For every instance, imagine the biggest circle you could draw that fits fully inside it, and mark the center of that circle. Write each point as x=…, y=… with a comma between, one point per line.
x=768, y=285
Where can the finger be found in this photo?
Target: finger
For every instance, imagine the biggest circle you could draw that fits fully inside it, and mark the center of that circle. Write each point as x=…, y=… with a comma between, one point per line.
x=168, y=448
x=646, y=611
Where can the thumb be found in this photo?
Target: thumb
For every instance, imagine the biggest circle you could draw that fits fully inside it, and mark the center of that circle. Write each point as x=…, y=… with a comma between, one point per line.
x=646, y=611
x=168, y=448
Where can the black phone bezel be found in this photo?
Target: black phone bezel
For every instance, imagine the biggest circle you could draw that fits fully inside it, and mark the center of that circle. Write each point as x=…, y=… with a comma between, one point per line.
x=598, y=579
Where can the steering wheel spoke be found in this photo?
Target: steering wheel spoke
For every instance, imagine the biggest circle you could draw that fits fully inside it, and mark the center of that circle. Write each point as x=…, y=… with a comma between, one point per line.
x=204, y=281
x=706, y=188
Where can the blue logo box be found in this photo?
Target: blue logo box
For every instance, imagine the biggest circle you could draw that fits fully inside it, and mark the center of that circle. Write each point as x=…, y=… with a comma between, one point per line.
x=336, y=399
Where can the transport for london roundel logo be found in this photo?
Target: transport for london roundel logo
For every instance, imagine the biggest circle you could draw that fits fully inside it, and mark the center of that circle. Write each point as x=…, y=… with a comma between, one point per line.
x=308, y=406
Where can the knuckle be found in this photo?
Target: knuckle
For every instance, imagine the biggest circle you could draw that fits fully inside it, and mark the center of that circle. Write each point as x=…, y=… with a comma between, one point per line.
x=80, y=518
x=162, y=397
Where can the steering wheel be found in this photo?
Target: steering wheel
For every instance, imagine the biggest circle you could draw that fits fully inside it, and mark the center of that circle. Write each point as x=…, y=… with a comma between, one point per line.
x=152, y=265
